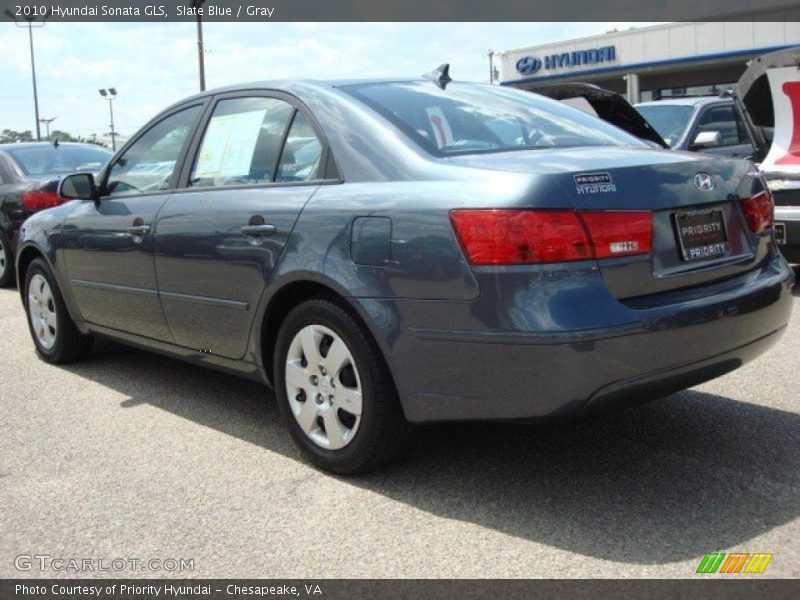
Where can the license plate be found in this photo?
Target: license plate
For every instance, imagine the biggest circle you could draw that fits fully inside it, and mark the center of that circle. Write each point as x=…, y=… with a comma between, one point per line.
x=780, y=233
x=701, y=234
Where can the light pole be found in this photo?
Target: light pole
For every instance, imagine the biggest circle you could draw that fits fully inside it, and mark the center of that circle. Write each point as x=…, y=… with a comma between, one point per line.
x=29, y=24
x=110, y=94
x=491, y=66
x=47, y=125
x=201, y=63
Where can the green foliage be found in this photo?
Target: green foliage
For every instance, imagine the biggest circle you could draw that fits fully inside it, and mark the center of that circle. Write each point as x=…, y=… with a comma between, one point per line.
x=9, y=135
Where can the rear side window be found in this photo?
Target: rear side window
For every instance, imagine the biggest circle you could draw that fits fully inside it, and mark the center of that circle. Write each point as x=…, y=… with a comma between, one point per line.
x=242, y=143
x=302, y=153
x=149, y=165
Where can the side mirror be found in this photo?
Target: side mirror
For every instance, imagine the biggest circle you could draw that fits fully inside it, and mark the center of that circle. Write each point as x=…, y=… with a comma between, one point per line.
x=707, y=139
x=79, y=186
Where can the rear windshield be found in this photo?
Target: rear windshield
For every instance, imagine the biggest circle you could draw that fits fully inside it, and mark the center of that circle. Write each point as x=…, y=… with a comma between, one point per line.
x=669, y=120
x=469, y=118
x=49, y=160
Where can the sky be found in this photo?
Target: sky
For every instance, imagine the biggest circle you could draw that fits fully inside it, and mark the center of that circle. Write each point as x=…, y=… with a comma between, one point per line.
x=155, y=64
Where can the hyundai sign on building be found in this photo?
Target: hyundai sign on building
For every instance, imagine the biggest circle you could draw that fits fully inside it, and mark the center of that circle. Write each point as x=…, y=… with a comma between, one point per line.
x=652, y=62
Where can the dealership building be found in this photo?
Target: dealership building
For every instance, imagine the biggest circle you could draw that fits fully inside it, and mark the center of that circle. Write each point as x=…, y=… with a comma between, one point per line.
x=661, y=61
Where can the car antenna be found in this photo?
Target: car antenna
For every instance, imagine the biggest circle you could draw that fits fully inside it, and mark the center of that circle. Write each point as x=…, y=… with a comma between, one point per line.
x=441, y=75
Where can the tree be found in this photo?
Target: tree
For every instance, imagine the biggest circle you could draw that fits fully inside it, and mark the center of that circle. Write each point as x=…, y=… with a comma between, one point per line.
x=10, y=136
x=62, y=136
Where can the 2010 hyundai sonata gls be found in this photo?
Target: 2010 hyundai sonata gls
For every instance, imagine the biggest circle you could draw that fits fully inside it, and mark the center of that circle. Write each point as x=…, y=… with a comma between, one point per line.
x=386, y=252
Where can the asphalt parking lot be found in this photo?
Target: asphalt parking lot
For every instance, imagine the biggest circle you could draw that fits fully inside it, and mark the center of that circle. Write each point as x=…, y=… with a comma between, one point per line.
x=132, y=455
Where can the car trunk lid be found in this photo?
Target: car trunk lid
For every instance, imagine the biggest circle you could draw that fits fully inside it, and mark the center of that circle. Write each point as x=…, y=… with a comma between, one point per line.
x=699, y=233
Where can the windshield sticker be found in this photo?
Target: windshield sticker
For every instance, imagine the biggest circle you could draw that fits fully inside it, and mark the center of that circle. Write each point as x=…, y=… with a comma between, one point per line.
x=440, y=126
x=594, y=183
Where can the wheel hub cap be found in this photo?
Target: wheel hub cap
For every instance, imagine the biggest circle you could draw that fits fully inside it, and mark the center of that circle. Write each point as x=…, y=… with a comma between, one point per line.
x=323, y=387
x=42, y=311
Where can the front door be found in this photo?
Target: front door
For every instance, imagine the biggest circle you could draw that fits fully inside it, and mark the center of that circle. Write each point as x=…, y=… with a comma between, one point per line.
x=108, y=244
x=725, y=119
x=219, y=239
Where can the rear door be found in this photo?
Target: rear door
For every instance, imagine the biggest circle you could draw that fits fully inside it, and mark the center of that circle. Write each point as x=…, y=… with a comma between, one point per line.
x=219, y=238
x=108, y=243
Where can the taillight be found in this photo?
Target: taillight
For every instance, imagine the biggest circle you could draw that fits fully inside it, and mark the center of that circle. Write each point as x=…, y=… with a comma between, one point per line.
x=619, y=233
x=41, y=200
x=506, y=237
x=758, y=211
x=503, y=237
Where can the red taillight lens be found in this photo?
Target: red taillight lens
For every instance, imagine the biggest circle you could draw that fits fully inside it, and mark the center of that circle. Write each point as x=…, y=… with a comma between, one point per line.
x=621, y=233
x=758, y=211
x=507, y=237
x=41, y=200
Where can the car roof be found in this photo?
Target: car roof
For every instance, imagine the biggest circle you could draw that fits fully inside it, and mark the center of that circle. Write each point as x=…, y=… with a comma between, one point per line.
x=10, y=145
x=288, y=85
x=687, y=101
x=296, y=86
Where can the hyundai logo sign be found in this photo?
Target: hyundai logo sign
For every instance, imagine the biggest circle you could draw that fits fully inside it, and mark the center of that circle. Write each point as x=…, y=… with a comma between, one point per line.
x=528, y=65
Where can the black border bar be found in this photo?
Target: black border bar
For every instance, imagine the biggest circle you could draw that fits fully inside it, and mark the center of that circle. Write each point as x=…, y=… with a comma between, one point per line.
x=703, y=587
x=406, y=10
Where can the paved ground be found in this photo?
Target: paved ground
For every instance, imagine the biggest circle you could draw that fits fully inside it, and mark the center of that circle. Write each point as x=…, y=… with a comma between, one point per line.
x=134, y=455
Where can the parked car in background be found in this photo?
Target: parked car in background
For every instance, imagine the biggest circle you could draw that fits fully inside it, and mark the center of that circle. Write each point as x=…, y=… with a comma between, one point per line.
x=385, y=252
x=709, y=124
x=29, y=176
x=768, y=94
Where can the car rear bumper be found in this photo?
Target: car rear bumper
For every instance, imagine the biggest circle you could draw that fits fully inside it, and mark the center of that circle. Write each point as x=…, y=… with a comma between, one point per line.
x=682, y=340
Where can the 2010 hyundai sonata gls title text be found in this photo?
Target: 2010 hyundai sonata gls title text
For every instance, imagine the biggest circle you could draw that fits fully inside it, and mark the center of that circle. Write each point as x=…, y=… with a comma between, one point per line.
x=395, y=252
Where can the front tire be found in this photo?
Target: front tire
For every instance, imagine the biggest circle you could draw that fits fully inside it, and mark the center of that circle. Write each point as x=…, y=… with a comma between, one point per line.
x=334, y=391
x=54, y=333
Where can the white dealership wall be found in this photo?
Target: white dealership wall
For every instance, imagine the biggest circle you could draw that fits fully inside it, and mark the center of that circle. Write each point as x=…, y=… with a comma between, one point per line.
x=662, y=57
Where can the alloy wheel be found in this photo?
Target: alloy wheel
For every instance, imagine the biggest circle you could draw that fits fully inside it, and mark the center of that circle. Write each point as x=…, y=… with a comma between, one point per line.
x=323, y=387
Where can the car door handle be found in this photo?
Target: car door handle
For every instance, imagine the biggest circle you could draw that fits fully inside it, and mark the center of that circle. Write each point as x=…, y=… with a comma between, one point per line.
x=139, y=230
x=258, y=230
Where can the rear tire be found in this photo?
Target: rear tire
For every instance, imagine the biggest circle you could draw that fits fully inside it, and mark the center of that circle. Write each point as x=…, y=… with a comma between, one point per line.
x=6, y=261
x=54, y=333
x=334, y=390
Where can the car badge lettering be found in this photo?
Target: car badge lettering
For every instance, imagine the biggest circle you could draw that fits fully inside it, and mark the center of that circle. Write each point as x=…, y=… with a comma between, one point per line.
x=594, y=183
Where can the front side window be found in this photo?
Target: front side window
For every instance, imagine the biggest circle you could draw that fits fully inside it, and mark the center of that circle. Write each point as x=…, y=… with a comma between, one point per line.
x=724, y=120
x=468, y=118
x=242, y=143
x=151, y=163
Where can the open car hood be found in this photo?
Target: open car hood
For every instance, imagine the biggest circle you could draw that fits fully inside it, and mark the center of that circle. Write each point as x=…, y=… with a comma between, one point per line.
x=768, y=95
x=605, y=104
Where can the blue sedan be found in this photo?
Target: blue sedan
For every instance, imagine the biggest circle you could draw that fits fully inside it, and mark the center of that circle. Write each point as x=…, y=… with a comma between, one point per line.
x=384, y=253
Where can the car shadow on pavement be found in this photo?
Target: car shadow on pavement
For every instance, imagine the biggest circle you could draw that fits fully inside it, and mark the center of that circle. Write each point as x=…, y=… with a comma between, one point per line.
x=658, y=483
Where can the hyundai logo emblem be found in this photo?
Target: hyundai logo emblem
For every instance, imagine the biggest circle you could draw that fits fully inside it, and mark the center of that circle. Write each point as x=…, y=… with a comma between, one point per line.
x=529, y=65
x=704, y=182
